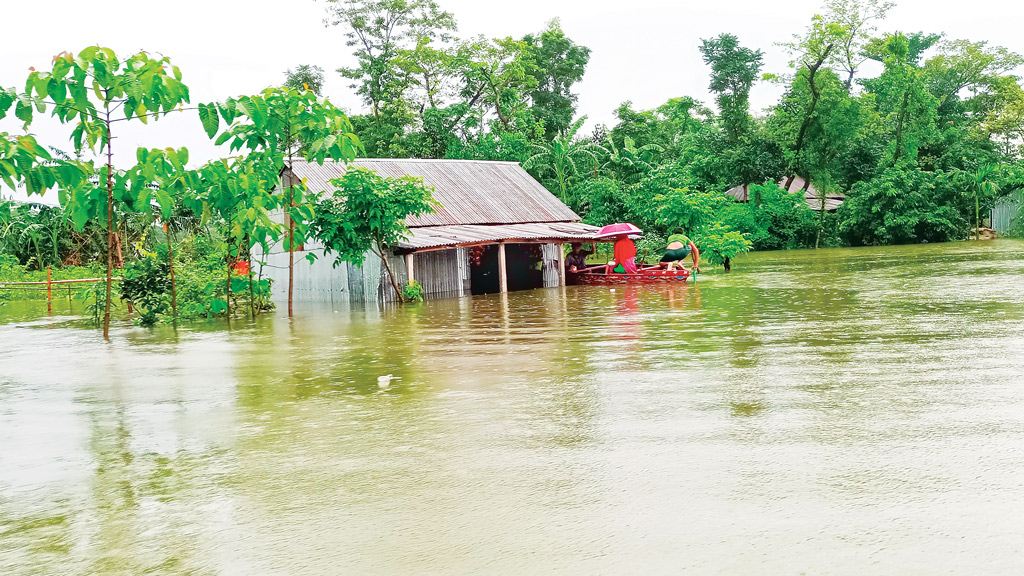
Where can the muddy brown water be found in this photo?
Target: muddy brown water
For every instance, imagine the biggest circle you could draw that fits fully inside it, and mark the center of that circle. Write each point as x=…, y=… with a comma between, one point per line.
x=853, y=411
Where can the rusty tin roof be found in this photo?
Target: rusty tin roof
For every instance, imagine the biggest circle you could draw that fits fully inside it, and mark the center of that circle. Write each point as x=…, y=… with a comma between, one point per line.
x=428, y=237
x=469, y=191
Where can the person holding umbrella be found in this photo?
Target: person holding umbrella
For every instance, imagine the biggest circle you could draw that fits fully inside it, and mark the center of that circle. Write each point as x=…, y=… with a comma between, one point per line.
x=624, y=252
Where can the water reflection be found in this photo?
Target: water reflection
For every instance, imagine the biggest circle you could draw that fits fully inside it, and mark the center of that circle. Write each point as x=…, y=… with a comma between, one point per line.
x=808, y=408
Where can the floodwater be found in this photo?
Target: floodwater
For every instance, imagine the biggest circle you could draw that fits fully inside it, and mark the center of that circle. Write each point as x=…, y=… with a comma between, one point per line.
x=853, y=411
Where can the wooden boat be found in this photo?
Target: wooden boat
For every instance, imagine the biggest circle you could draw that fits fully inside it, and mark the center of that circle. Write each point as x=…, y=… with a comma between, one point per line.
x=603, y=276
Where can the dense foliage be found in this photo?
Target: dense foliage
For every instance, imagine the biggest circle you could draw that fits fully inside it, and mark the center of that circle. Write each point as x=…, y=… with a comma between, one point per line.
x=917, y=152
x=95, y=89
x=904, y=147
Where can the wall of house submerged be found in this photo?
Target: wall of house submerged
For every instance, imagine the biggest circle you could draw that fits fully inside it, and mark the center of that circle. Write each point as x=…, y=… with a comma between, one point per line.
x=442, y=273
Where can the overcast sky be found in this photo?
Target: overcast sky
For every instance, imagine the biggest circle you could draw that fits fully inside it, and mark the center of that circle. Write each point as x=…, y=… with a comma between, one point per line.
x=644, y=50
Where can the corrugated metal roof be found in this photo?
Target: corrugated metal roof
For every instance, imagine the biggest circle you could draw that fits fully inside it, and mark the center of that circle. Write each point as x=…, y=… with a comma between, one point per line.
x=469, y=191
x=459, y=235
x=738, y=192
x=832, y=201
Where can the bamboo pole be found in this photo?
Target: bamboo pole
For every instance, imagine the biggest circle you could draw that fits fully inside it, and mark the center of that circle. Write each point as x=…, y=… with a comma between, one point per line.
x=49, y=291
x=561, y=264
x=44, y=282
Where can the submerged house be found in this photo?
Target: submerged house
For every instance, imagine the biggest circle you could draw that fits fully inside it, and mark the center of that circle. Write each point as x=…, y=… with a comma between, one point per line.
x=831, y=202
x=496, y=229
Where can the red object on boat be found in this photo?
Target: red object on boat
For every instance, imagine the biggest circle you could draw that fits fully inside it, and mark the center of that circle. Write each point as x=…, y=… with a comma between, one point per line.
x=601, y=276
x=242, y=267
x=619, y=229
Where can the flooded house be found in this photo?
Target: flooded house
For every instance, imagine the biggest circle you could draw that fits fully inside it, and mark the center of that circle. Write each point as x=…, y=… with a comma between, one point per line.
x=495, y=229
x=815, y=200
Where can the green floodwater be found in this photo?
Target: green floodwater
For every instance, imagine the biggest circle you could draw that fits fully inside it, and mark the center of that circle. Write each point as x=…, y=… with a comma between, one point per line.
x=852, y=411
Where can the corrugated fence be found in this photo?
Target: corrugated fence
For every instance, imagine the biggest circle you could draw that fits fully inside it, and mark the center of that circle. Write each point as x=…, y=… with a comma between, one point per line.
x=1008, y=214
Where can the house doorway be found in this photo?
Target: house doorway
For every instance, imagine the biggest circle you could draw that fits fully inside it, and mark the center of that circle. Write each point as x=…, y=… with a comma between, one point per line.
x=523, y=262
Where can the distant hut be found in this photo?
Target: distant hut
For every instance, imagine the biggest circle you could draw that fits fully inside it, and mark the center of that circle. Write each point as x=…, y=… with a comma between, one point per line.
x=831, y=202
x=496, y=229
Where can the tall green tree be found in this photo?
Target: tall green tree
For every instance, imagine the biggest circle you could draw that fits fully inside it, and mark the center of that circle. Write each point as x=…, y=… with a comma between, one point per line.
x=378, y=30
x=500, y=77
x=812, y=52
x=1005, y=122
x=858, y=18
x=93, y=91
x=903, y=98
x=276, y=127
x=560, y=64
x=962, y=65
x=733, y=71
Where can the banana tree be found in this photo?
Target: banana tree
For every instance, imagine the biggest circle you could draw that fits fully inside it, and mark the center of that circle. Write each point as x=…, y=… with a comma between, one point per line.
x=565, y=157
x=630, y=163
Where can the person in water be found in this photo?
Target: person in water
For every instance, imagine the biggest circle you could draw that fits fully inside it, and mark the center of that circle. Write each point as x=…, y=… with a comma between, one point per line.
x=624, y=255
x=578, y=257
x=679, y=247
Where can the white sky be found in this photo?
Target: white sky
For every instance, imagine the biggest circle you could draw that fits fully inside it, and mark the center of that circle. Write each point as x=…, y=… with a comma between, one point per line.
x=644, y=50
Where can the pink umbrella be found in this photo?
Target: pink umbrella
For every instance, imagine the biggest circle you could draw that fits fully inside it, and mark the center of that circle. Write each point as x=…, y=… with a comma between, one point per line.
x=619, y=229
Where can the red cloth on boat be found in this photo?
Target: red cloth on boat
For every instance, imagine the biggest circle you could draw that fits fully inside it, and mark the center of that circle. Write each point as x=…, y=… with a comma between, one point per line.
x=625, y=254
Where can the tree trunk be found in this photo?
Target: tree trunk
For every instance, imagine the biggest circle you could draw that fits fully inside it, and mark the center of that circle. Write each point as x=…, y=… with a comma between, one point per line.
x=119, y=260
x=170, y=262
x=110, y=230
x=248, y=258
x=821, y=223
x=977, y=218
x=812, y=70
x=227, y=285
x=727, y=264
x=391, y=275
x=900, y=118
x=291, y=232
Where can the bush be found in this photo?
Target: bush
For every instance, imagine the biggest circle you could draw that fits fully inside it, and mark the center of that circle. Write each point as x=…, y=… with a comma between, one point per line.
x=773, y=219
x=147, y=285
x=903, y=205
x=201, y=284
x=413, y=292
x=719, y=244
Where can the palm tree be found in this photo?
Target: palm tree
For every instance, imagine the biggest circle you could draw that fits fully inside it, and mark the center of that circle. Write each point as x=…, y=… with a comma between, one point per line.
x=564, y=156
x=979, y=185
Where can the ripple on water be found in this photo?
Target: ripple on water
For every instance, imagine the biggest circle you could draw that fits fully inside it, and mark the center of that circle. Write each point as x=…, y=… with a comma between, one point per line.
x=835, y=411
